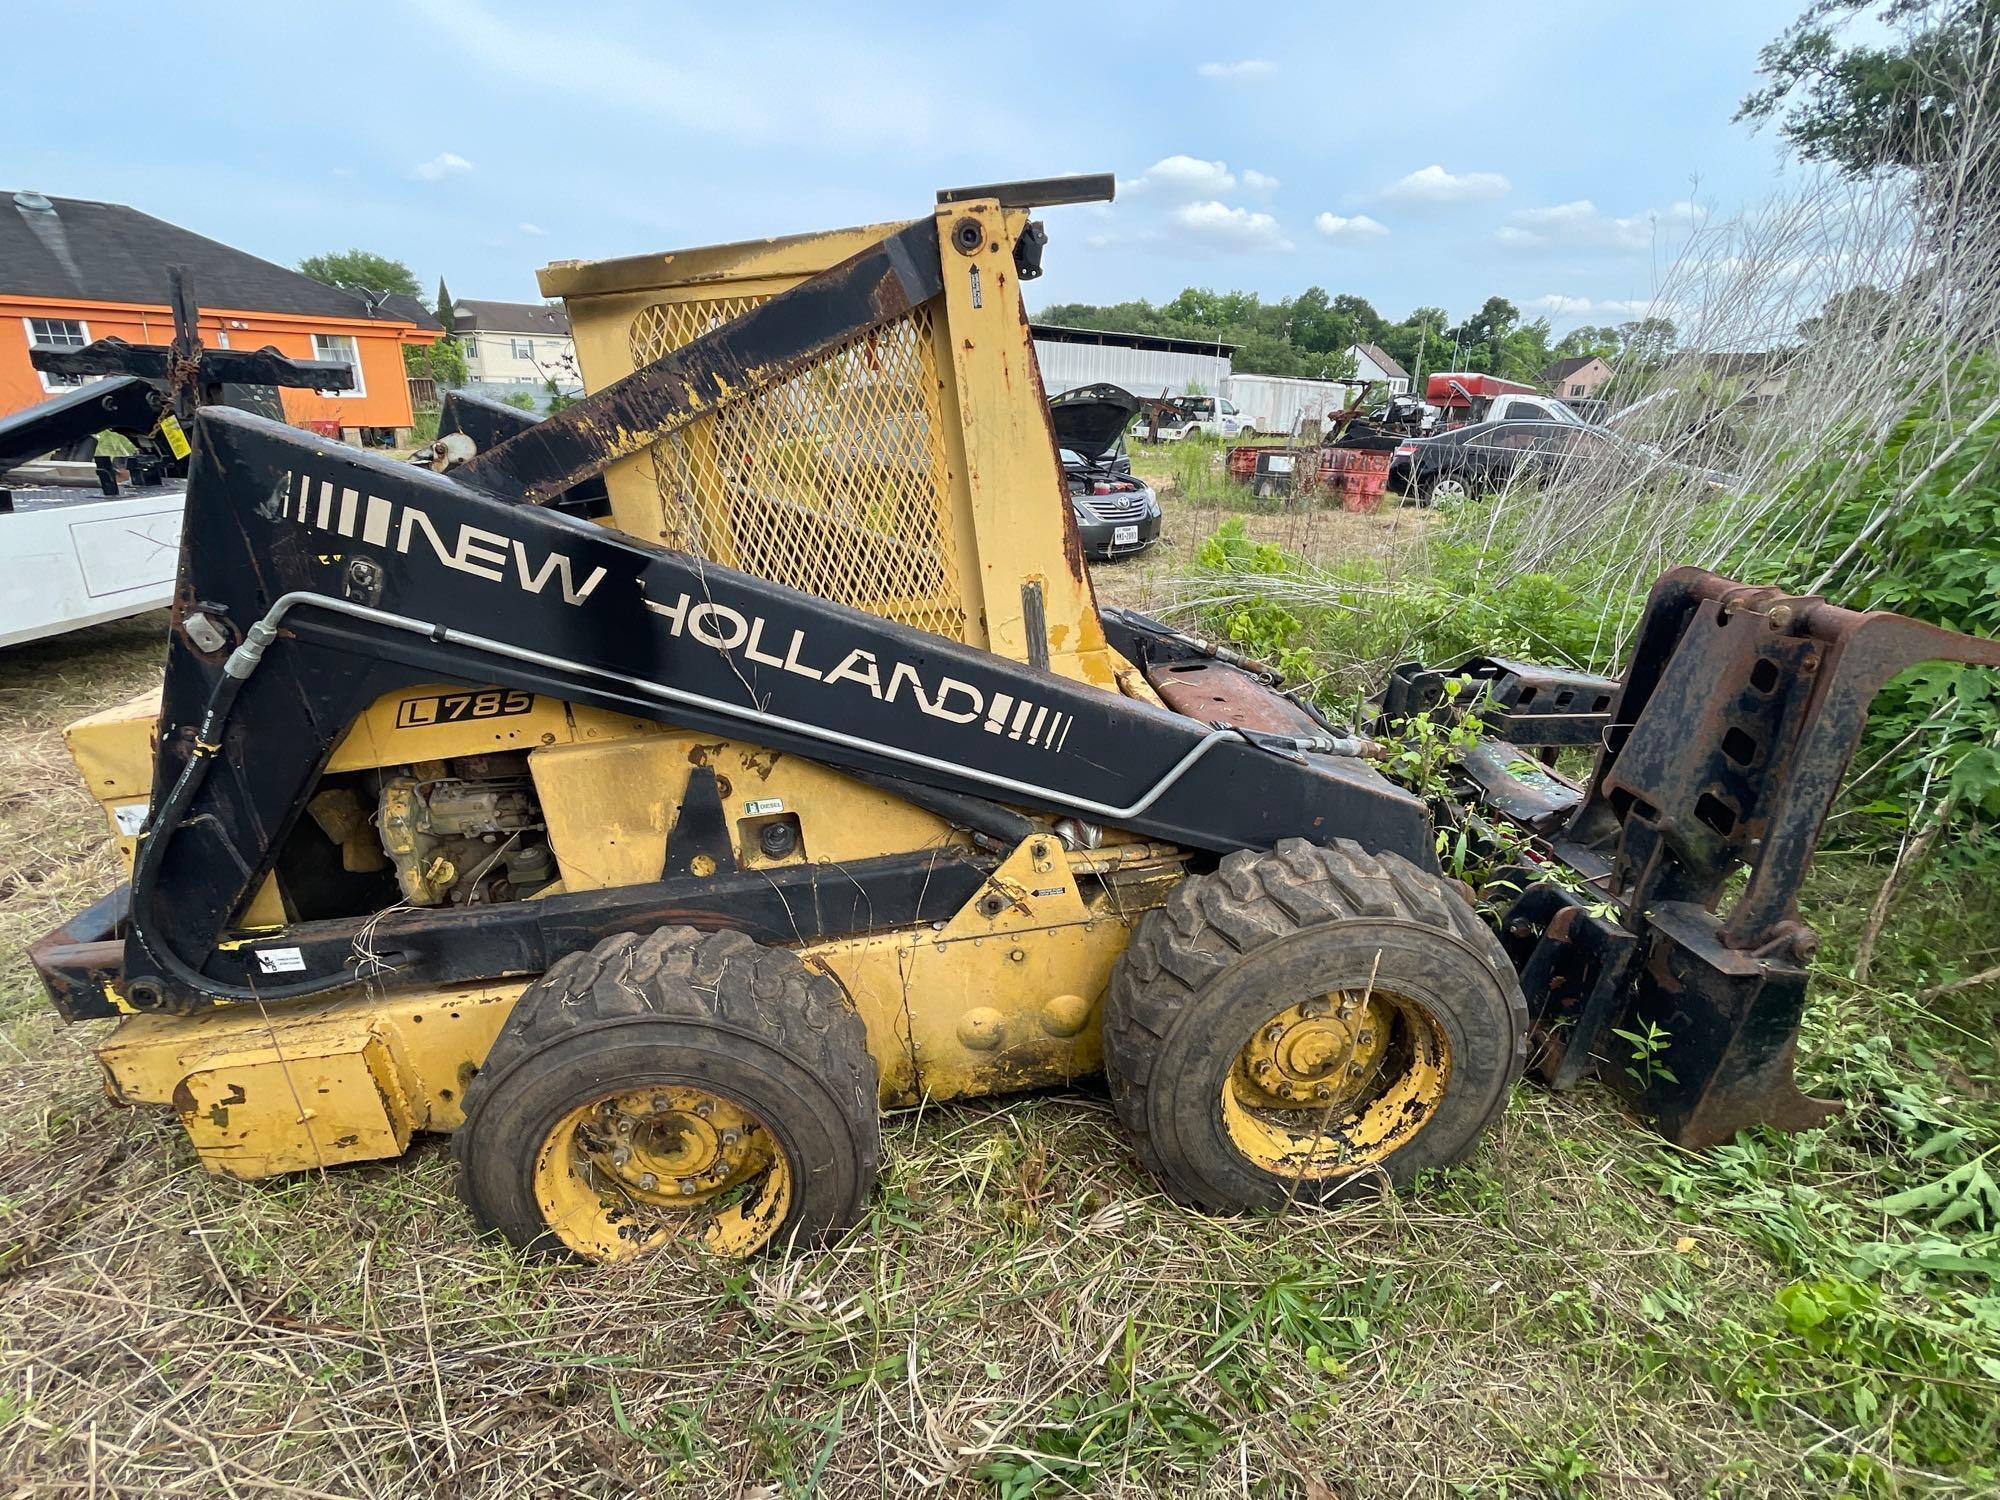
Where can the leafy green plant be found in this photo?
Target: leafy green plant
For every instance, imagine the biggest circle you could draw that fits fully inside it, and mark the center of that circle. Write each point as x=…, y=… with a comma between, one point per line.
x=1130, y=1415
x=1965, y=1194
x=442, y=361
x=1648, y=1048
x=1262, y=628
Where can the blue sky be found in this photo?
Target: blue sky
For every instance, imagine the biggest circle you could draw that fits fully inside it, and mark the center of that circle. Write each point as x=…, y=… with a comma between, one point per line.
x=1415, y=154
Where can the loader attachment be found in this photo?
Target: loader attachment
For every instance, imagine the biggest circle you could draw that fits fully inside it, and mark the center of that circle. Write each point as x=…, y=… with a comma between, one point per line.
x=1719, y=756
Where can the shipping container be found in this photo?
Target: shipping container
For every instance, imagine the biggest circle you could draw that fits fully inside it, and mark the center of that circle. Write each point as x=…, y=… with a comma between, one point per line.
x=1281, y=405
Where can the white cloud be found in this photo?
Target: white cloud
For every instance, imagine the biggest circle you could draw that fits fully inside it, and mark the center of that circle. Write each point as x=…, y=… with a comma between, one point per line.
x=1184, y=177
x=1255, y=181
x=1220, y=229
x=1582, y=223
x=1357, y=230
x=343, y=171
x=443, y=165
x=1434, y=185
x=1244, y=71
x=1559, y=305
x=527, y=228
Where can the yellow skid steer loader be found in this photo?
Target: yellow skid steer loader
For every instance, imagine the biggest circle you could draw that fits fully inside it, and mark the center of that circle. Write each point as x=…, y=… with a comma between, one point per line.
x=652, y=794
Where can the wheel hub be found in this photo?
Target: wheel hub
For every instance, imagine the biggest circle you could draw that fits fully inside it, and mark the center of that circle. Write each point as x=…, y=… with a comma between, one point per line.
x=1333, y=1083
x=1316, y=1053
x=674, y=1147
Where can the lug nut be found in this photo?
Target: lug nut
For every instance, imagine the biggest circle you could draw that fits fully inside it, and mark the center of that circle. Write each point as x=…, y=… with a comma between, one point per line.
x=688, y=1185
x=731, y=1137
x=1263, y=1065
x=1366, y=1038
x=648, y=1181
x=705, y=1108
x=621, y=1156
x=1322, y=1092
x=1273, y=1033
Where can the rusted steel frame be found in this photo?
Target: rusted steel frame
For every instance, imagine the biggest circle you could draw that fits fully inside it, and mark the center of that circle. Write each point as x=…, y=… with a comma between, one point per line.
x=84, y=955
x=1214, y=692
x=1861, y=653
x=745, y=356
x=218, y=366
x=193, y=375
x=1578, y=969
x=129, y=406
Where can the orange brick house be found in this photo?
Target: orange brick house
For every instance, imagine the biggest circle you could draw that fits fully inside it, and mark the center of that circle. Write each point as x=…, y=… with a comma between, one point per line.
x=74, y=271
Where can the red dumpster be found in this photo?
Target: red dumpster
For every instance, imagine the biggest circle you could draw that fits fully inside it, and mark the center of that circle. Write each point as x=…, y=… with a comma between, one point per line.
x=1365, y=482
x=1359, y=476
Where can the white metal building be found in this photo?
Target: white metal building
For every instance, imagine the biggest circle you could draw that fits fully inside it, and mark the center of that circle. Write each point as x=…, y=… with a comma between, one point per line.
x=1145, y=364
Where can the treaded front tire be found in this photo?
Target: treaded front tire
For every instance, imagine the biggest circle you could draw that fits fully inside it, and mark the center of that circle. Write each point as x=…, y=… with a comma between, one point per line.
x=666, y=1047
x=1240, y=986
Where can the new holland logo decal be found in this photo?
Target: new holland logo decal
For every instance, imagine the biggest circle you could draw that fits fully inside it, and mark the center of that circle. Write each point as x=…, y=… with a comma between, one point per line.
x=325, y=506
x=729, y=630
x=322, y=505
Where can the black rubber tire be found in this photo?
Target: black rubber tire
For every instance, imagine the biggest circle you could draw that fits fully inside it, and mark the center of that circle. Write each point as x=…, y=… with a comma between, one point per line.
x=1266, y=930
x=717, y=1010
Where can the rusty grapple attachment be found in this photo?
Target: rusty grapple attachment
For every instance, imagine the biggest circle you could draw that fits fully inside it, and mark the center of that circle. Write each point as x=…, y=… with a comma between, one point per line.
x=1719, y=753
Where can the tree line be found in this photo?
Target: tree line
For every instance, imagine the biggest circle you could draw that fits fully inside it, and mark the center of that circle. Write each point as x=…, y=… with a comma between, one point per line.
x=1312, y=333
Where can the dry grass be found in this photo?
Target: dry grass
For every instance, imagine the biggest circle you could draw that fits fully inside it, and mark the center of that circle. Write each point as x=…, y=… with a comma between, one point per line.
x=1321, y=535
x=1022, y=1315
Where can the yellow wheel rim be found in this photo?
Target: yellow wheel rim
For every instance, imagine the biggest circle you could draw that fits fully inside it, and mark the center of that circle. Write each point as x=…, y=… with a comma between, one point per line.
x=1336, y=1083
x=629, y=1171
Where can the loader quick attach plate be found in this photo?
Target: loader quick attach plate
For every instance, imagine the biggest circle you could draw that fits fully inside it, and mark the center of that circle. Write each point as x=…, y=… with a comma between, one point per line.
x=1720, y=752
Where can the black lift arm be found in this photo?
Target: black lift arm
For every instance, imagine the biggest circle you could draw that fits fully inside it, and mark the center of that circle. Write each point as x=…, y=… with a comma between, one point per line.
x=332, y=576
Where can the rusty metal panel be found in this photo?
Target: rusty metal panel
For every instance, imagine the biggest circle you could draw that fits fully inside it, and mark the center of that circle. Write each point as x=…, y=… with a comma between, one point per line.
x=1720, y=757
x=833, y=481
x=743, y=358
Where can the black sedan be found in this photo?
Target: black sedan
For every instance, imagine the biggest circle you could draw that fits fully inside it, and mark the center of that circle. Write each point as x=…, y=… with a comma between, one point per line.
x=1487, y=457
x=1116, y=512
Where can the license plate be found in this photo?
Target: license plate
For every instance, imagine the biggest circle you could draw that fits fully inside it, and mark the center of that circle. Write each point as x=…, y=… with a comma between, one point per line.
x=1124, y=536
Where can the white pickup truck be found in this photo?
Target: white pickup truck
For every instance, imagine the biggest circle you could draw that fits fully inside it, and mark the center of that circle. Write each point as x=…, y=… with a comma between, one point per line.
x=1198, y=414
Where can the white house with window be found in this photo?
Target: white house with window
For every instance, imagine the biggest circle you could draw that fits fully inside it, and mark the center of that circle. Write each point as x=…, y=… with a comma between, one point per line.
x=1373, y=363
x=514, y=343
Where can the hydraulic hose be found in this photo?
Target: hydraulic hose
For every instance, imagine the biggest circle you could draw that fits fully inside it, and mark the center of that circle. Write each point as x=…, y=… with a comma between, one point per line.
x=160, y=831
